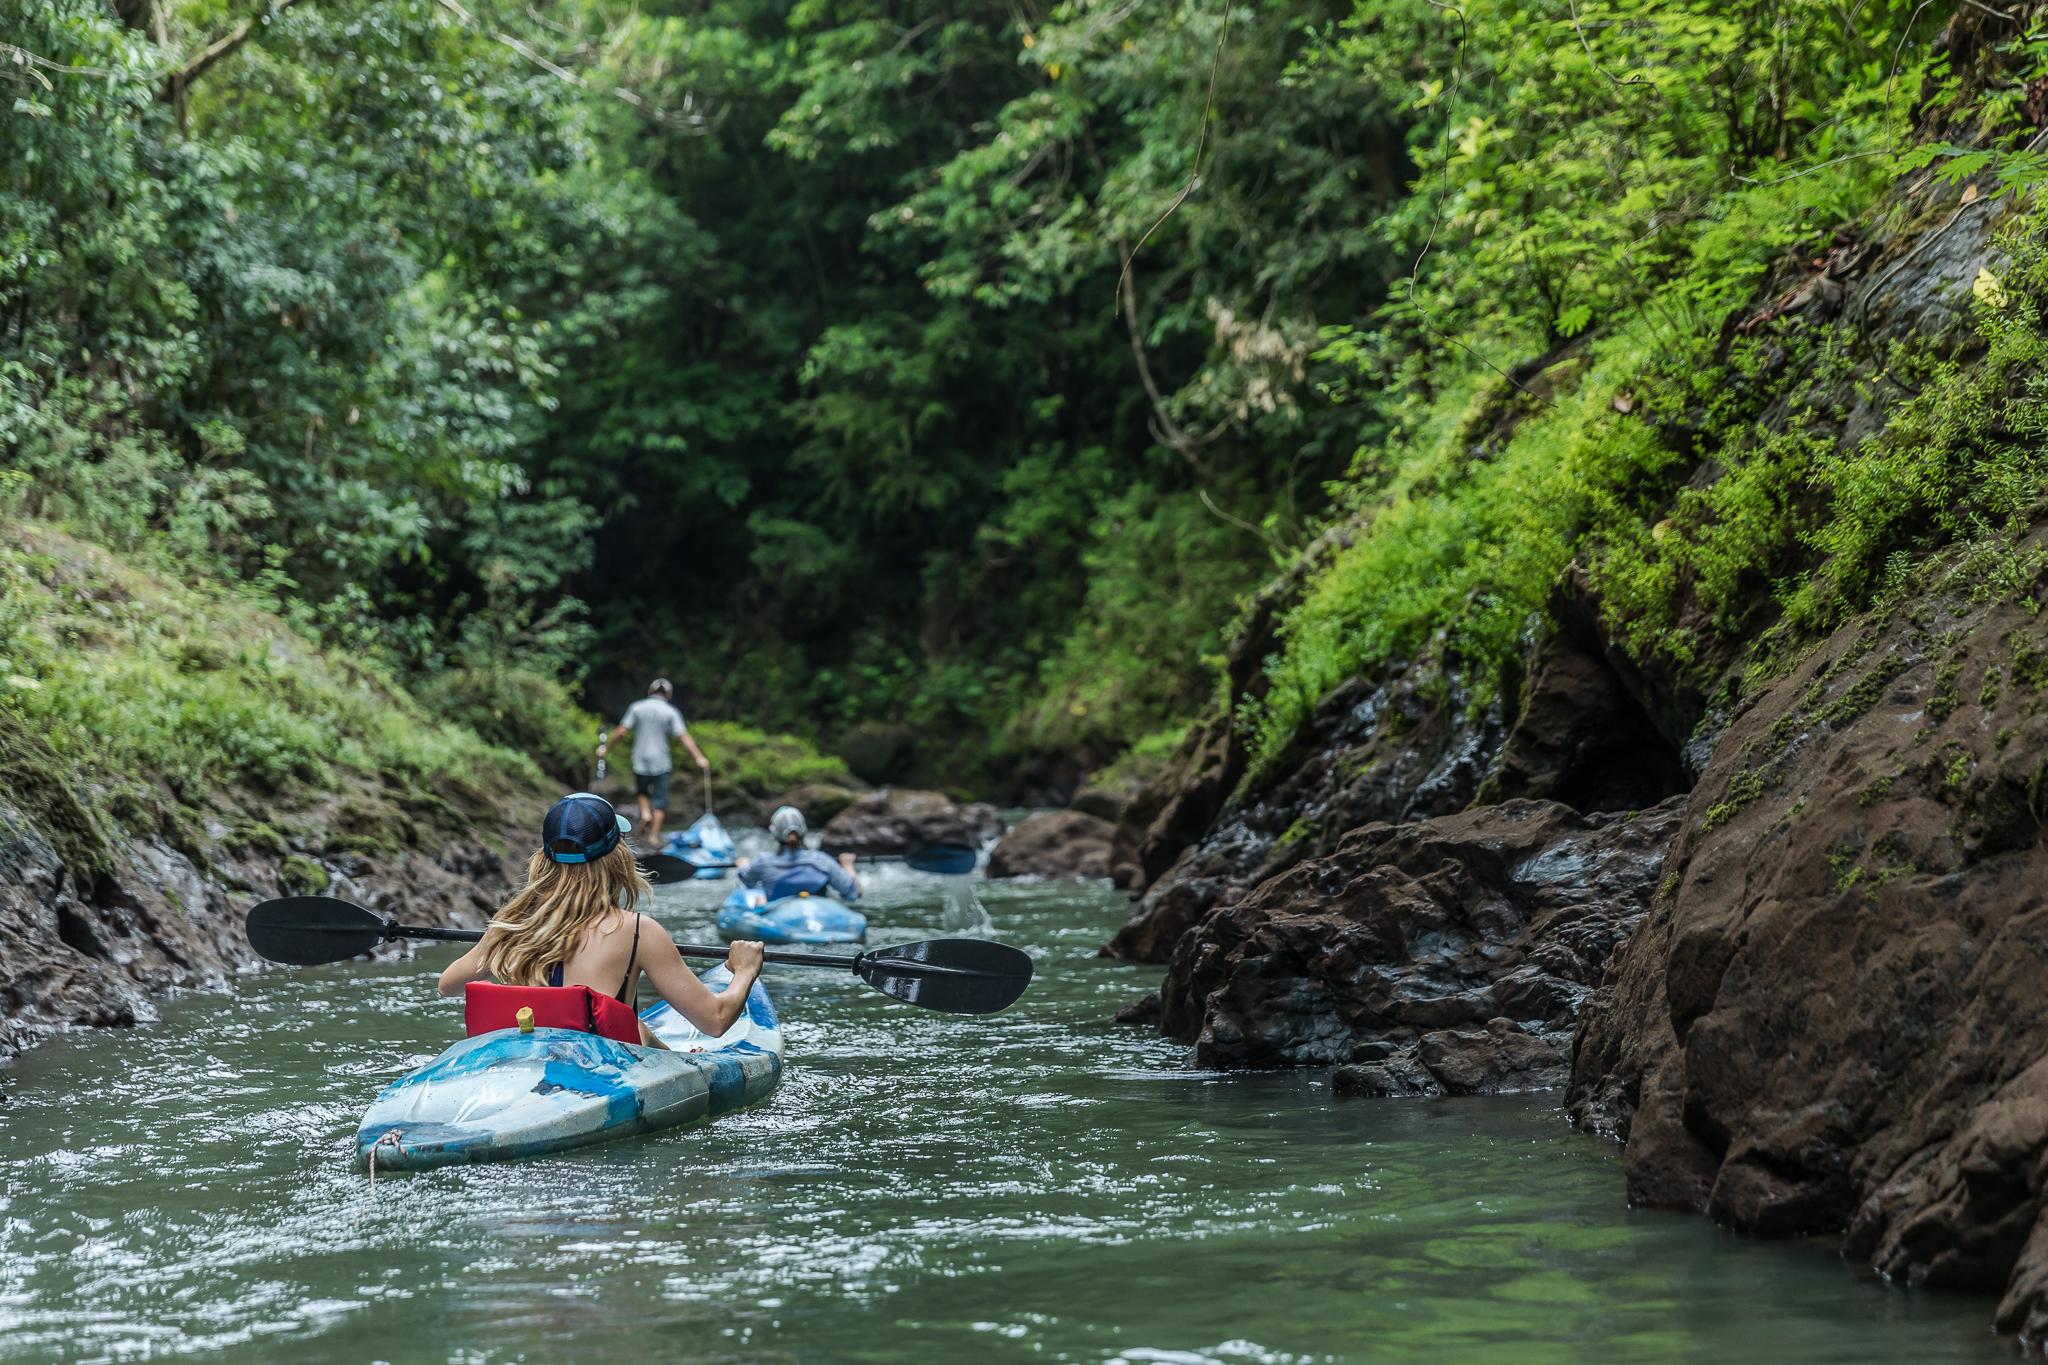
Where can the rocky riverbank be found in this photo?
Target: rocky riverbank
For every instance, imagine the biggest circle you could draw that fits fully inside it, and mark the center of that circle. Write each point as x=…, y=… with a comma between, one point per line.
x=1771, y=921
x=1836, y=1019
x=98, y=921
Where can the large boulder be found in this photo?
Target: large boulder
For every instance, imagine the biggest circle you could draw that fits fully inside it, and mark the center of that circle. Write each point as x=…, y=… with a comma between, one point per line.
x=900, y=820
x=1837, y=1018
x=1447, y=957
x=878, y=752
x=1405, y=748
x=1067, y=843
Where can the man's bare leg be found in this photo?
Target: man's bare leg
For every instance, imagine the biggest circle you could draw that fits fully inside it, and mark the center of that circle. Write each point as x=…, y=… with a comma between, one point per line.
x=646, y=810
x=655, y=837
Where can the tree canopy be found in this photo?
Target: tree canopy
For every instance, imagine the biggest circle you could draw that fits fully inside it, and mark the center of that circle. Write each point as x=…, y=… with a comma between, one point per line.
x=946, y=364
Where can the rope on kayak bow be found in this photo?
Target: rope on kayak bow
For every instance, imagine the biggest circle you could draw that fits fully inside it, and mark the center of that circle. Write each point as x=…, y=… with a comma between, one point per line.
x=396, y=1139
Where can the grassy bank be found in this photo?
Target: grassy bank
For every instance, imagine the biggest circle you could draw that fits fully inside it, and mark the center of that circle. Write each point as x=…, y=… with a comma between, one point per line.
x=174, y=698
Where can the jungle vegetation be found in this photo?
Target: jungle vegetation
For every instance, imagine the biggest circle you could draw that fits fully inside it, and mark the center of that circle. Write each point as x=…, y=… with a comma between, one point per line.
x=948, y=364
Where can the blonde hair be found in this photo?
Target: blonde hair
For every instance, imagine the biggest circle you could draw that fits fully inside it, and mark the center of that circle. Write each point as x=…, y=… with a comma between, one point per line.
x=546, y=919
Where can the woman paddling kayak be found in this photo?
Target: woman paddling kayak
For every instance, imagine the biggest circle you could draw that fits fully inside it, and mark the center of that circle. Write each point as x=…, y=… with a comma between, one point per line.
x=576, y=923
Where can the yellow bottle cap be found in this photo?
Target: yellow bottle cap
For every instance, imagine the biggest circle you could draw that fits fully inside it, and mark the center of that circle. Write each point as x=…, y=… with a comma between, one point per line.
x=525, y=1018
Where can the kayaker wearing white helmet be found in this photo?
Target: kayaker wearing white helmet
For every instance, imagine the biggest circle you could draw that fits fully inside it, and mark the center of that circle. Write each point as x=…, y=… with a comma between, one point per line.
x=575, y=923
x=654, y=721
x=791, y=857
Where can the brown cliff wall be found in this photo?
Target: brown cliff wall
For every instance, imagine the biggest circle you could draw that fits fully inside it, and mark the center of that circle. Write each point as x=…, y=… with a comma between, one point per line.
x=1837, y=1017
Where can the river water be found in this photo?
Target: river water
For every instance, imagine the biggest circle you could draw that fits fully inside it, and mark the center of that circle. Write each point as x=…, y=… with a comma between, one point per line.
x=1039, y=1185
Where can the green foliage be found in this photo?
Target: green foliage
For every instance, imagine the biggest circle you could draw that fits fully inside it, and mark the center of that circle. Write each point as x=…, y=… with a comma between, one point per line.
x=1597, y=191
x=1164, y=575
x=301, y=876
x=902, y=452
x=764, y=765
x=127, y=675
x=1960, y=460
x=521, y=710
x=303, y=327
x=887, y=362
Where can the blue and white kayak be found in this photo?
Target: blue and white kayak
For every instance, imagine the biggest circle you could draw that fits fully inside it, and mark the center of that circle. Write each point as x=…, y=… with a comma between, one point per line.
x=802, y=918
x=706, y=846
x=508, y=1094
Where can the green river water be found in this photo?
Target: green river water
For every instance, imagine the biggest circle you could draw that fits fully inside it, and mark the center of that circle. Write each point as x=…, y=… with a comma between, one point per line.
x=1039, y=1185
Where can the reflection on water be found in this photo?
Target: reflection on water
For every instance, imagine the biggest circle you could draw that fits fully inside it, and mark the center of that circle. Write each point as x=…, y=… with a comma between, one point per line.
x=1037, y=1185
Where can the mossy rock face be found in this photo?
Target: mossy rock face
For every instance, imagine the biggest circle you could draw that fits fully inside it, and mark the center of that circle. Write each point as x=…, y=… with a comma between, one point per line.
x=33, y=779
x=302, y=876
x=257, y=837
x=368, y=825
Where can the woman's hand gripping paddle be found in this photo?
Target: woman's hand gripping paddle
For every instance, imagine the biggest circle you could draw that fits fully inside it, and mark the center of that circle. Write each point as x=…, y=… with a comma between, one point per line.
x=953, y=975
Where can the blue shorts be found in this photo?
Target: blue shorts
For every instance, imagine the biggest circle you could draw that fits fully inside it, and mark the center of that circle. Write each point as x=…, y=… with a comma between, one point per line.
x=654, y=787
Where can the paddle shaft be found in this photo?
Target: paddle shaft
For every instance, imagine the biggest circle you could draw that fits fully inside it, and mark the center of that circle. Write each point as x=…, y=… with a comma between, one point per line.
x=845, y=964
x=686, y=949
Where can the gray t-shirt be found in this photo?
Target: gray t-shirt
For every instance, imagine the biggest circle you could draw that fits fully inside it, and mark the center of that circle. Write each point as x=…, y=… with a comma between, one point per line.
x=653, y=723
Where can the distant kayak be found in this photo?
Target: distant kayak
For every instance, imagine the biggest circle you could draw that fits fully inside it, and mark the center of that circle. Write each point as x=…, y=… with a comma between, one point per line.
x=507, y=1094
x=706, y=846
x=802, y=918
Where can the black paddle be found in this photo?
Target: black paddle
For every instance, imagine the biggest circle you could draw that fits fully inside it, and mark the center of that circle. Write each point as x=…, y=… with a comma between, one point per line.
x=664, y=868
x=945, y=860
x=955, y=975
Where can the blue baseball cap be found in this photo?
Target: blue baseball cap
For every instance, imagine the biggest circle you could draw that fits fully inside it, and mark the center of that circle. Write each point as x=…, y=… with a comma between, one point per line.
x=580, y=827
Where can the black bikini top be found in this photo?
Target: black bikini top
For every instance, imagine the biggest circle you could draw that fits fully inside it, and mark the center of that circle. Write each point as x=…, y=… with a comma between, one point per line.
x=632, y=959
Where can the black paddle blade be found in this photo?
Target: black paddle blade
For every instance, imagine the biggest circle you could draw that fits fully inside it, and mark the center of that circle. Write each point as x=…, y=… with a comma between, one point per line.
x=664, y=868
x=945, y=860
x=306, y=931
x=956, y=975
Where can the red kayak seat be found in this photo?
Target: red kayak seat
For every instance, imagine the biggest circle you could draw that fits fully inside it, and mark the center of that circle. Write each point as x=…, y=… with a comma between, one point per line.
x=488, y=1007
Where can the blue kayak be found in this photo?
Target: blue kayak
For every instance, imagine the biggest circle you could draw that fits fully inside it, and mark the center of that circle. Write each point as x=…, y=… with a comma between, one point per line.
x=706, y=846
x=801, y=918
x=509, y=1094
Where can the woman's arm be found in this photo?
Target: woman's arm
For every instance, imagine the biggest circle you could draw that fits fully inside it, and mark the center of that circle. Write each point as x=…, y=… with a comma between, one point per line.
x=463, y=970
x=691, y=998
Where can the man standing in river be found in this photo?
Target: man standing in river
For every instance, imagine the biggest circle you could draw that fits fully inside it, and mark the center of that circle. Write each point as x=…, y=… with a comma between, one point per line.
x=654, y=720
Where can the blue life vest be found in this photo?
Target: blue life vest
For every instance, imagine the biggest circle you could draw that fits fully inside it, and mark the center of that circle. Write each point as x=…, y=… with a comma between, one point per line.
x=798, y=880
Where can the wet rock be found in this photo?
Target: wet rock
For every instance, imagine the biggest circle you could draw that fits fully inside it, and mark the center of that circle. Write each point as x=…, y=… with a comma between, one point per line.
x=1447, y=957
x=1409, y=748
x=985, y=821
x=1173, y=810
x=1144, y=1010
x=1836, y=1019
x=1393, y=752
x=901, y=820
x=97, y=921
x=1104, y=801
x=1583, y=739
x=1390, y=1078
x=1501, y=1059
x=1068, y=843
